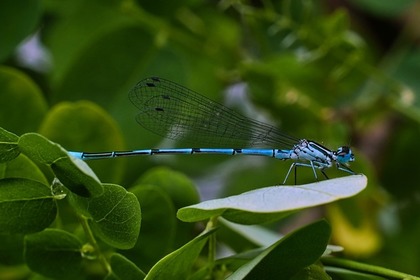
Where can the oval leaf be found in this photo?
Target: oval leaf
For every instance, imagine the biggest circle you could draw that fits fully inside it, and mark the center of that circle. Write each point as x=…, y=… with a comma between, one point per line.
x=40, y=149
x=271, y=203
x=74, y=174
x=22, y=104
x=158, y=226
x=25, y=206
x=23, y=167
x=85, y=126
x=179, y=187
x=182, y=192
x=115, y=216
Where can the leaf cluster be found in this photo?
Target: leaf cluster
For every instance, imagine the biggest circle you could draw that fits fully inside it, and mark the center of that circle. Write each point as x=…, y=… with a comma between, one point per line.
x=109, y=219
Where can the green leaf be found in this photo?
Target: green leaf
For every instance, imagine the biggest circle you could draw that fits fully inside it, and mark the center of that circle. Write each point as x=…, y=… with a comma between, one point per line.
x=54, y=253
x=158, y=226
x=40, y=149
x=179, y=187
x=25, y=206
x=6, y=136
x=73, y=173
x=22, y=167
x=289, y=255
x=76, y=175
x=123, y=268
x=244, y=237
x=115, y=216
x=260, y=235
x=22, y=104
x=348, y=269
x=84, y=126
x=182, y=192
x=84, y=36
x=257, y=235
x=8, y=145
x=127, y=45
x=272, y=203
x=19, y=19
x=178, y=264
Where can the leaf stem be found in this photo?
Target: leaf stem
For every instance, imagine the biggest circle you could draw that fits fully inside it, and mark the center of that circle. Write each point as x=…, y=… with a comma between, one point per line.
x=211, y=224
x=366, y=268
x=91, y=239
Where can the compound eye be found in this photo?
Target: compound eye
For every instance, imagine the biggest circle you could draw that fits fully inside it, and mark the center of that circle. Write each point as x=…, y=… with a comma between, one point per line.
x=343, y=151
x=344, y=154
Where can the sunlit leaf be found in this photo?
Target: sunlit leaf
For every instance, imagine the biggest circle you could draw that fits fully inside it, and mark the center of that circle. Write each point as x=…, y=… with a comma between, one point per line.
x=272, y=203
x=73, y=173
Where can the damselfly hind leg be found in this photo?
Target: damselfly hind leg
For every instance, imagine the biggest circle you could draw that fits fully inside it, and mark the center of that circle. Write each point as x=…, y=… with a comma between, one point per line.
x=288, y=173
x=323, y=172
x=295, y=165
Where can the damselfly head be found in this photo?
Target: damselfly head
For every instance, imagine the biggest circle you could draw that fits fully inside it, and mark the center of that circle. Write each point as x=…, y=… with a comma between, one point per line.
x=344, y=154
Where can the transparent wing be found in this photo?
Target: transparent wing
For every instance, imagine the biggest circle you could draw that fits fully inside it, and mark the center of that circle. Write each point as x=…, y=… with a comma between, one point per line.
x=175, y=112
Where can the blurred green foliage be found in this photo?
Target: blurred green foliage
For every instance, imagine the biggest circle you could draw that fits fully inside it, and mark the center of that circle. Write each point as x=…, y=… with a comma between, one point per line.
x=337, y=72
